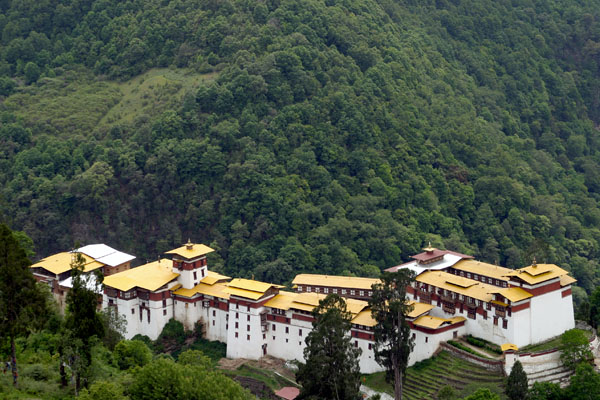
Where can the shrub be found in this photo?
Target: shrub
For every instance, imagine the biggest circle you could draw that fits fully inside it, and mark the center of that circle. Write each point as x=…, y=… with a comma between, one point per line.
x=131, y=353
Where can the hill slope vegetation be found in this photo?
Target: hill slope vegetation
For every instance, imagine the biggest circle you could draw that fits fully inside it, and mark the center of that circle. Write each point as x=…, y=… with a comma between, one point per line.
x=333, y=137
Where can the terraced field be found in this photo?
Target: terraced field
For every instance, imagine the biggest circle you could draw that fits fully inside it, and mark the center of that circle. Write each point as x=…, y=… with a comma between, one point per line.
x=425, y=379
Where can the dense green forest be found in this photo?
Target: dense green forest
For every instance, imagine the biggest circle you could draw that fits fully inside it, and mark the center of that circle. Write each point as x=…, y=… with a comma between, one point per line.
x=317, y=136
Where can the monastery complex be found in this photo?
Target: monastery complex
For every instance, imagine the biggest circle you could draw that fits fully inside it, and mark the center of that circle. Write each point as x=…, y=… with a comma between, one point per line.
x=453, y=295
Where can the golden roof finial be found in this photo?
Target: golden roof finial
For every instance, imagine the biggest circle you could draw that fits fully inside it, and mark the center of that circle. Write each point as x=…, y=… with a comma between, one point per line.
x=534, y=263
x=189, y=245
x=429, y=249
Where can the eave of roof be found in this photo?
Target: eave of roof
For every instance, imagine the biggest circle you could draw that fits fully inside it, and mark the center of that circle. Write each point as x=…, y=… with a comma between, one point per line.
x=196, y=250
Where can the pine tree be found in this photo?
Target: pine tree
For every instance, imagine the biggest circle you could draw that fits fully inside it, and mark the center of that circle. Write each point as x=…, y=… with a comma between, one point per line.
x=83, y=321
x=516, y=385
x=393, y=341
x=22, y=303
x=331, y=370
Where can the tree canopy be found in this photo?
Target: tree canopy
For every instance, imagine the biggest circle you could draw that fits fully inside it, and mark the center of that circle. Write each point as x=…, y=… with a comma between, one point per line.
x=393, y=338
x=22, y=303
x=331, y=369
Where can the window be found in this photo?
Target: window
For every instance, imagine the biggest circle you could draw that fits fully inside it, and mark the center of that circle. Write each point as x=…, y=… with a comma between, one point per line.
x=326, y=290
x=237, y=315
x=495, y=320
x=287, y=329
x=308, y=289
x=426, y=339
x=469, y=275
x=299, y=343
x=352, y=292
x=286, y=340
x=214, y=313
x=213, y=322
x=356, y=343
x=299, y=288
x=237, y=325
x=237, y=306
x=132, y=311
x=462, y=273
x=165, y=312
x=490, y=281
x=236, y=334
x=370, y=293
x=343, y=291
x=362, y=293
x=273, y=326
x=248, y=328
x=503, y=284
x=273, y=337
x=414, y=335
x=248, y=308
x=504, y=323
x=195, y=275
x=334, y=291
x=164, y=303
x=299, y=332
x=248, y=318
x=370, y=346
x=247, y=337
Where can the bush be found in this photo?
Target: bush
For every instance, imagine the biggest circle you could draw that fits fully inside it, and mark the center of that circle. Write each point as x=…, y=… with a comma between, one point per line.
x=132, y=353
x=37, y=372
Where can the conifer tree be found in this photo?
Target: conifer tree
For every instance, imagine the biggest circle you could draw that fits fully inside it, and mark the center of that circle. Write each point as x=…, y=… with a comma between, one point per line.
x=83, y=321
x=393, y=341
x=22, y=303
x=331, y=370
x=516, y=385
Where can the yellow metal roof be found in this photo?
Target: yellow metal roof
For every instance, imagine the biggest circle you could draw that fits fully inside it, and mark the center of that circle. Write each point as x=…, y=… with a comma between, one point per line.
x=459, y=281
x=191, y=250
x=427, y=321
x=150, y=276
x=186, y=292
x=514, y=294
x=481, y=268
x=364, y=318
x=215, y=290
x=509, y=346
x=335, y=281
x=252, y=285
x=500, y=303
x=419, y=309
x=213, y=277
x=538, y=274
x=538, y=269
x=282, y=301
x=478, y=290
x=249, y=294
x=61, y=262
x=567, y=280
x=175, y=287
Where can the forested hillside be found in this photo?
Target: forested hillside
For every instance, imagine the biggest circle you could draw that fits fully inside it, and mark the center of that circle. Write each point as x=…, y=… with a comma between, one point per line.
x=317, y=136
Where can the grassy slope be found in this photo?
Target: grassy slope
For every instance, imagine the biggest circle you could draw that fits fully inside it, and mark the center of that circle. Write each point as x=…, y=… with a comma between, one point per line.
x=78, y=103
x=425, y=379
